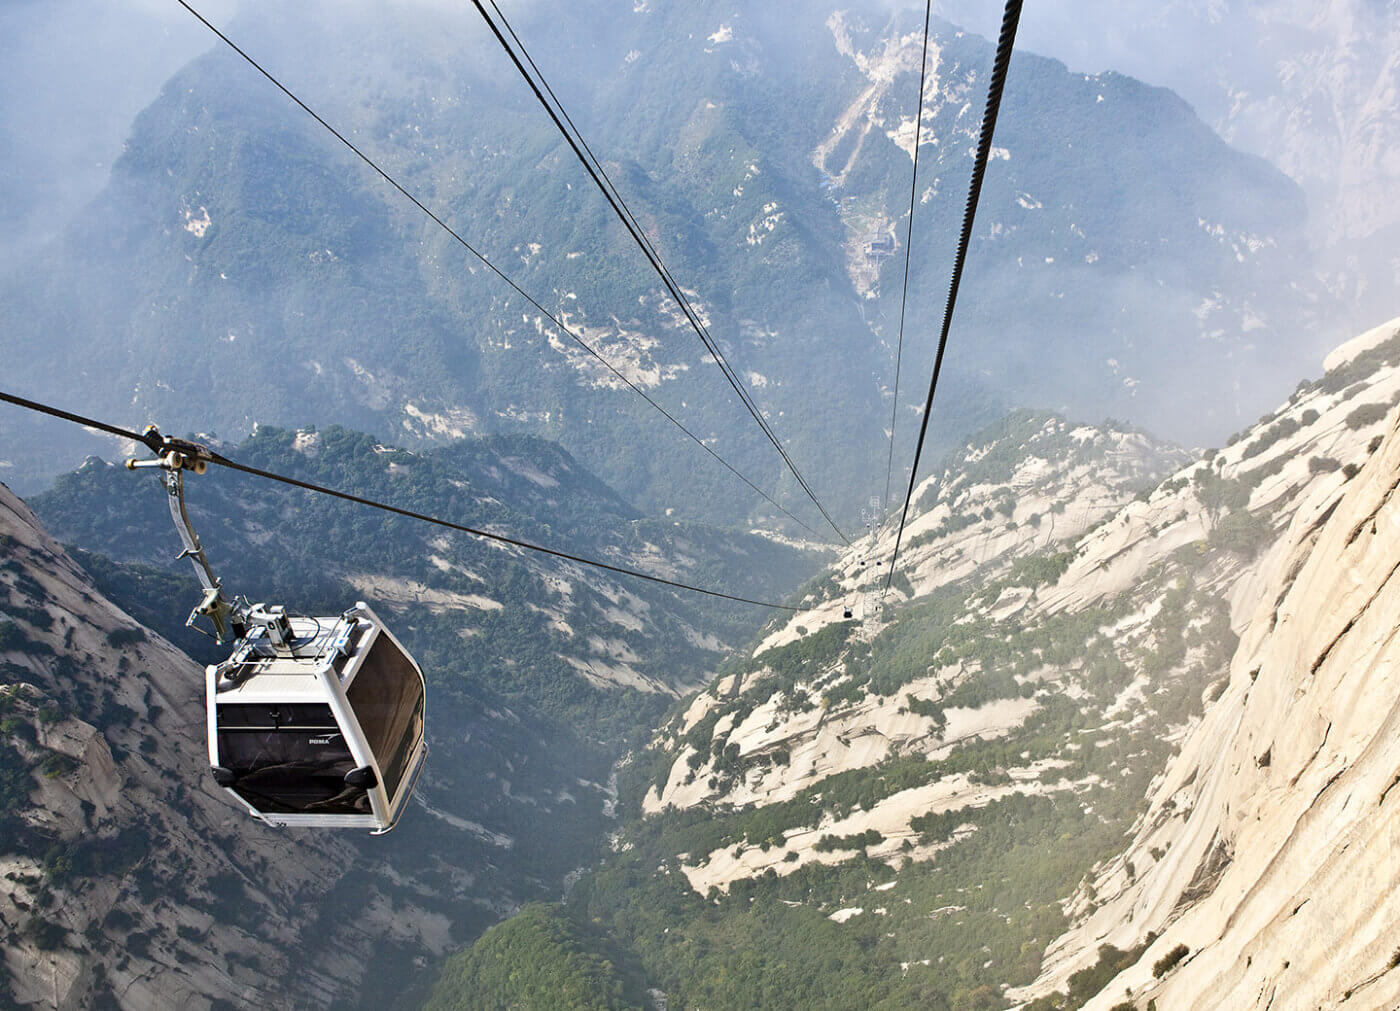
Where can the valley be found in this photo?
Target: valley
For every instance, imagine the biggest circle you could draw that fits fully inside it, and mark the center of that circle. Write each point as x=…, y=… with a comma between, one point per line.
x=903, y=784
x=1114, y=733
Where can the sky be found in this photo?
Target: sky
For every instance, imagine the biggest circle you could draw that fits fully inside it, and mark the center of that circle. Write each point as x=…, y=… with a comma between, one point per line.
x=74, y=74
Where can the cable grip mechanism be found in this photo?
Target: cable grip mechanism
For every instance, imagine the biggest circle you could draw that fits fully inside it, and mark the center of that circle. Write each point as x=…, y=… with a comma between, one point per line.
x=173, y=458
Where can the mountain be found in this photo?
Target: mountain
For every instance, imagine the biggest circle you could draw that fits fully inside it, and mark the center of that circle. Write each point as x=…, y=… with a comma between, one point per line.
x=1305, y=85
x=242, y=268
x=129, y=879
x=539, y=678
x=926, y=805
x=1098, y=739
x=1267, y=850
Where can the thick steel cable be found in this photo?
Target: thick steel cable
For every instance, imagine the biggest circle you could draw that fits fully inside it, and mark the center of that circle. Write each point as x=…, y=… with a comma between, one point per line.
x=638, y=235
x=491, y=266
x=604, y=182
x=155, y=445
x=908, y=249
x=1005, y=44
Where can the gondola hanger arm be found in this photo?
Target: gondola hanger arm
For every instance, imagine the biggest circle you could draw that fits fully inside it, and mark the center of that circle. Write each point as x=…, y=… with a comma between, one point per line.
x=231, y=619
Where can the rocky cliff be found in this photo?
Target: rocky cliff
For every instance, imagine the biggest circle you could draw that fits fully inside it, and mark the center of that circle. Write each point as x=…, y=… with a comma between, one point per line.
x=127, y=879
x=1077, y=610
x=1267, y=852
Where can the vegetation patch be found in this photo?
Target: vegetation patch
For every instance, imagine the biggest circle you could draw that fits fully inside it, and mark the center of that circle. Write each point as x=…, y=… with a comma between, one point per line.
x=1086, y=984
x=1040, y=570
x=1367, y=414
x=859, y=841
x=539, y=959
x=1169, y=961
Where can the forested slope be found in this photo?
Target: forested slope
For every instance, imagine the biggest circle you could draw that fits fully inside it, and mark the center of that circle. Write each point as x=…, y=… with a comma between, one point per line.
x=906, y=809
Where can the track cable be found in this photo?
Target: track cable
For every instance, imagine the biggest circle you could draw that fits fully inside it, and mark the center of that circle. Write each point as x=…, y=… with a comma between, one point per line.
x=223, y=461
x=1006, y=42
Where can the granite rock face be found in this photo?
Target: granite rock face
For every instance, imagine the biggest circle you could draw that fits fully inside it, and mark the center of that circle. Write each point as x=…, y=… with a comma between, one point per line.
x=127, y=877
x=1269, y=845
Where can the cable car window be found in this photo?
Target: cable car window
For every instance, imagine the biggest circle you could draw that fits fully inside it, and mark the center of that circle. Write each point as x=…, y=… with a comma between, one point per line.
x=288, y=759
x=387, y=697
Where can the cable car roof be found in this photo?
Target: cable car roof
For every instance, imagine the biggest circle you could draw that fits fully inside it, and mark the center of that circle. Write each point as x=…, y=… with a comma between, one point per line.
x=259, y=671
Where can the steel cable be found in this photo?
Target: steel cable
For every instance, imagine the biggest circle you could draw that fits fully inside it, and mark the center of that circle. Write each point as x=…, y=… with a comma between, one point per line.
x=222, y=461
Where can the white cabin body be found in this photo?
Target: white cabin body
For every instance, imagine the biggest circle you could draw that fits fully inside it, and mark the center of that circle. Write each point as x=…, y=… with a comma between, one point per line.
x=324, y=732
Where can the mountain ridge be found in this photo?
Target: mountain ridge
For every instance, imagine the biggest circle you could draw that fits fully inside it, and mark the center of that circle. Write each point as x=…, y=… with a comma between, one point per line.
x=945, y=783
x=240, y=262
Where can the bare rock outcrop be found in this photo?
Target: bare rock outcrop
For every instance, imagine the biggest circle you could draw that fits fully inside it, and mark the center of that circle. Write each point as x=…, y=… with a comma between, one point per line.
x=1270, y=849
x=755, y=741
x=126, y=878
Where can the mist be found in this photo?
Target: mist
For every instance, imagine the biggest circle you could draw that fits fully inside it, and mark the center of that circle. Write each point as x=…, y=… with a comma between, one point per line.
x=74, y=75
x=76, y=78
x=1302, y=85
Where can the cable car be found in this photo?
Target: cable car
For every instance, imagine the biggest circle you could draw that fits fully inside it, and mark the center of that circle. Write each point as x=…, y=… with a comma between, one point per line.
x=313, y=722
x=318, y=722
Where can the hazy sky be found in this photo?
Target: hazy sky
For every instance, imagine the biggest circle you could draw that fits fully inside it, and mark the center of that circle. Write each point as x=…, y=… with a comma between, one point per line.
x=74, y=73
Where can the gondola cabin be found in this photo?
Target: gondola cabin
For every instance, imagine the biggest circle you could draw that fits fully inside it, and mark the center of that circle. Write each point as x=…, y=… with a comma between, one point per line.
x=318, y=722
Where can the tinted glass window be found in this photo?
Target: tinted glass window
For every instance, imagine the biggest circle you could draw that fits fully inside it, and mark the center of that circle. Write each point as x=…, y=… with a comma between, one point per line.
x=288, y=759
x=397, y=765
x=387, y=697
